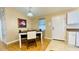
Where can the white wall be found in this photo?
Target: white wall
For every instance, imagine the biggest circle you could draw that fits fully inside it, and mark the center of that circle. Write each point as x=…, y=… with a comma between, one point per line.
x=3, y=25
x=0, y=30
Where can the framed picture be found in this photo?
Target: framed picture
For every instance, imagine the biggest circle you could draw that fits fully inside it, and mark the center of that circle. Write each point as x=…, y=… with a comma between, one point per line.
x=21, y=23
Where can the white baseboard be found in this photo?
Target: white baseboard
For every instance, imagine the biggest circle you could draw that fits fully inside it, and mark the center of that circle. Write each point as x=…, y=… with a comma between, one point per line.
x=4, y=42
x=12, y=42
x=48, y=38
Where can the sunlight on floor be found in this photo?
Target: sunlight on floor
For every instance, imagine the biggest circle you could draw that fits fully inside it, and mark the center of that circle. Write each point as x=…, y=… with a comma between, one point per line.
x=60, y=46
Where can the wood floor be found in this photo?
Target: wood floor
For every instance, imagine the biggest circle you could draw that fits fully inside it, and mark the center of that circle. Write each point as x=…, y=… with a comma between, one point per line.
x=15, y=46
x=49, y=45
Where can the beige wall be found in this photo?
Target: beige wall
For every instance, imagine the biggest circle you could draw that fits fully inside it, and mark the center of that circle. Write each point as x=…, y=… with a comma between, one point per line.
x=35, y=23
x=11, y=17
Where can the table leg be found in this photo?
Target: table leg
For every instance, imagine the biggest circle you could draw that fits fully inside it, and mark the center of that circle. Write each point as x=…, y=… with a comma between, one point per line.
x=20, y=41
x=42, y=40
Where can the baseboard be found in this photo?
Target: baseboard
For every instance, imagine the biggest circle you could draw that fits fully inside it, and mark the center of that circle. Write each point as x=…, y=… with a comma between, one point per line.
x=12, y=42
x=48, y=38
x=4, y=42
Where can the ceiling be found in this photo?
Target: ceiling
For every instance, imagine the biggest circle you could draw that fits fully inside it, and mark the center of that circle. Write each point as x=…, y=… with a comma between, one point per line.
x=42, y=11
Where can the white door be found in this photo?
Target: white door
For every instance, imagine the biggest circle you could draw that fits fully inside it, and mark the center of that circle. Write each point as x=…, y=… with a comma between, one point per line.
x=59, y=27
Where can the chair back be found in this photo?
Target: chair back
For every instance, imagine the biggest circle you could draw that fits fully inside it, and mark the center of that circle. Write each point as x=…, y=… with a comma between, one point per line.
x=31, y=35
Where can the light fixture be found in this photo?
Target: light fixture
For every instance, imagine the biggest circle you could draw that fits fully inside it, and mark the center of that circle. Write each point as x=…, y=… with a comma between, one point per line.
x=30, y=14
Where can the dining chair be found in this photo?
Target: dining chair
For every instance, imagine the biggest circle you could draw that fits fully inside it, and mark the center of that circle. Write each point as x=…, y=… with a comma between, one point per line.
x=31, y=38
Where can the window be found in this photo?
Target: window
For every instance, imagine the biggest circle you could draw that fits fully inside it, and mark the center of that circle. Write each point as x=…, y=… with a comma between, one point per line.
x=73, y=17
x=42, y=24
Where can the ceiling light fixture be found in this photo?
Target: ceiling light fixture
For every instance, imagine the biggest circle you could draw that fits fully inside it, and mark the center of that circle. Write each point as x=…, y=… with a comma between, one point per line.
x=30, y=14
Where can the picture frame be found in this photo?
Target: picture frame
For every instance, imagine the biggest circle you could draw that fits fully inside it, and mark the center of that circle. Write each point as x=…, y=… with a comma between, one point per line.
x=21, y=23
